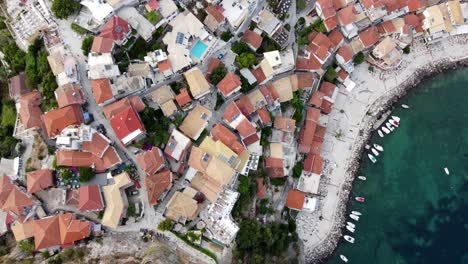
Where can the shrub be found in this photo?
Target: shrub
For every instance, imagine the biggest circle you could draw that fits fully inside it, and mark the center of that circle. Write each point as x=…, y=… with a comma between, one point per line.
x=240, y=47
x=152, y=17
x=64, y=8
x=297, y=169
x=165, y=225
x=359, y=58
x=26, y=245
x=407, y=50
x=330, y=74
x=87, y=44
x=246, y=60
x=218, y=74
x=301, y=5
x=226, y=36
x=319, y=26
x=86, y=174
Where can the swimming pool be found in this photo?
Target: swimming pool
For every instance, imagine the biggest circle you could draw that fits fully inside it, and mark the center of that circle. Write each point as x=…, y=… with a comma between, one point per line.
x=199, y=49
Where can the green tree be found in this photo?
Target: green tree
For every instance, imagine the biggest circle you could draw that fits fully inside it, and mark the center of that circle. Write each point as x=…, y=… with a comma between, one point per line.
x=226, y=36
x=86, y=174
x=26, y=245
x=240, y=47
x=165, y=225
x=152, y=17
x=407, y=49
x=15, y=57
x=330, y=74
x=87, y=44
x=297, y=169
x=8, y=113
x=319, y=26
x=244, y=185
x=218, y=74
x=64, y=8
x=246, y=60
x=66, y=174
x=359, y=58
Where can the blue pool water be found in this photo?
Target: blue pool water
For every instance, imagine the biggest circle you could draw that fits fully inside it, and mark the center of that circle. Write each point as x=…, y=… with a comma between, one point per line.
x=199, y=49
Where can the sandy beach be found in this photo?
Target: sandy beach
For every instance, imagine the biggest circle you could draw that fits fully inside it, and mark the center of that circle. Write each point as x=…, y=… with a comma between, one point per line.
x=349, y=126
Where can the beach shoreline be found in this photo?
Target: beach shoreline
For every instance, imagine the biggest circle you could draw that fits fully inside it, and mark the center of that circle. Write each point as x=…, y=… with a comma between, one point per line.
x=324, y=248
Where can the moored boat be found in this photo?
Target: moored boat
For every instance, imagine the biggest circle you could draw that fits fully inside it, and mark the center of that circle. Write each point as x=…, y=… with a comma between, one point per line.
x=350, y=239
x=396, y=118
x=351, y=224
x=356, y=213
x=380, y=133
x=350, y=229
x=354, y=217
x=389, y=126
x=343, y=258
x=360, y=199
x=378, y=147
x=362, y=178
x=447, y=171
x=386, y=130
x=405, y=106
x=372, y=158
x=394, y=123
x=376, y=153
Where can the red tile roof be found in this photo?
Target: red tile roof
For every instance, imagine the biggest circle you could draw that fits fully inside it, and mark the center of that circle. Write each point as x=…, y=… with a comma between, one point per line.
x=295, y=200
x=229, y=84
x=164, y=65
x=316, y=147
x=258, y=74
x=327, y=88
x=250, y=140
x=304, y=80
x=274, y=167
x=264, y=116
x=70, y=158
x=306, y=136
x=156, y=185
x=388, y=27
x=267, y=94
x=414, y=5
x=245, y=128
x=342, y=74
x=125, y=123
x=347, y=15
x=17, y=85
x=90, y=198
x=285, y=124
x=116, y=29
x=30, y=113
x=316, y=99
x=151, y=161
x=231, y=112
x=69, y=94
x=346, y=53
x=311, y=64
x=369, y=36
x=331, y=23
x=245, y=106
x=222, y=133
x=112, y=109
x=336, y=37
x=327, y=7
x=252, y=38
x=153, y=4
x=320, y=45
x=261, y=190
x=313, y=163
x=218, y=16
x=274, y=93
x=414, y=21
x=319, y=133
x=39, y=180
x=102, y=45
x=97, y=146
x=183, y=97
x=102, y=90
x=56, y=120
x=313, y=114
x=326, y=106
x=214, y=63
x=13, y=200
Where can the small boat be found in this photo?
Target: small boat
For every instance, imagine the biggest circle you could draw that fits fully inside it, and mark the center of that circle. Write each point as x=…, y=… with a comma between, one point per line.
x=350, y=239
x=405, y=106
x=343, y=258
x=447, y=171
x=351, y=224
x=350, y=229
x=354, y=217
x=372, y=158
x=360, y=199
x=396, y=118
x=356, y=213
x=378, y=147
x=362, y=178
x=376, y=153
x=389, y=126
x=386, y=130
x=394, y=123
x=380, y=133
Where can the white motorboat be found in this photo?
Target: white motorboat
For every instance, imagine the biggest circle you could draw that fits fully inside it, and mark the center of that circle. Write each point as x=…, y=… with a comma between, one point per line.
x=378, y=147
x=350, y=239
x=386, y=130
x=351, y=224
x=356, y=213
x=354, y=217
x=405, y=106
x=396, y=118
x=380, y=133
x=343, y=258
x=362, y=178
x=350, y=229
x=376, y=153
x=389, y=126
x=394, y=123
x=372, y=158
x=447, y=171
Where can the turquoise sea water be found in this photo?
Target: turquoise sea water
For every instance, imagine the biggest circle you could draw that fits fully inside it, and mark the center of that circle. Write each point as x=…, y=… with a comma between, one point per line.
x=414, y=212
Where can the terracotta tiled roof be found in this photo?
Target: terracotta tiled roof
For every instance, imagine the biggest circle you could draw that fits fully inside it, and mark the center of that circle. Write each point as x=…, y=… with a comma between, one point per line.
x=30, y=113
x=274, y=167
x=250, y=140
x=414, y=5
x=252, y=38
x=327, y=88
x=342, y=74
x=17, y=85
x=183, y=97
x=56, y=120
x=218, y=16
x=320, y=133
x=102, y=90
x=229, y=84
x=313, y=114
x=346, y=53
x=231, y=112
x=285, y=124
x=90, y=198
x=13, y=200
x=331, y=23
x=116, y=29
x=125, y=123
x=261, y=190
x=245, y=128
x=369, y=36
x=151, y=161
x=304, y=80
x=273, y=91
x=214, y=63
x=264, y=116
x=347, y=15
x=336, y=37
x=295, y=200
x=267, y=95
x=320, y=45
x=388, y=27
x=153, y=4
x=414, y=21
x=69, y=94
x=157, y=184
x=164, y=66
x=102, y=45
x=326, y=106
x=258, y=74
x=245, y=105
x=222, y=133
x=316, y=148
x=135, y=102
x=97, y=146
x=310, y=64
x=39, y=180
x=327, y=7
x=87, y=159
x=316, y=99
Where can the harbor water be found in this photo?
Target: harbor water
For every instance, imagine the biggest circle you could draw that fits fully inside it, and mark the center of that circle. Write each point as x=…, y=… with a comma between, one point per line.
x=414, y=212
